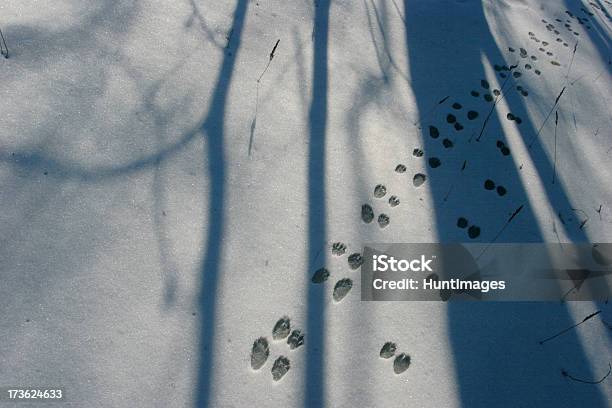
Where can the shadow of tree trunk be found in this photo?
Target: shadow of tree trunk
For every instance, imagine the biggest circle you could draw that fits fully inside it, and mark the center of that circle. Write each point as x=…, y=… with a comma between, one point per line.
x=213, y=128
x=315, y=344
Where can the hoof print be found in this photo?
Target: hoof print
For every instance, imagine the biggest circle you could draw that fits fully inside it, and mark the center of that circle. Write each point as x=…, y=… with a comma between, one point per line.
x=367, y=213
x=388, y=350
x=380, y=191
x=295, y=339
x=419, y=179
x=355, y=260
x=320, y=276
x=259, y=353
x=281, y=328
x=383, y=220
x=401, y=363
x=338, y=248
x=342, y=288
x=280, y=368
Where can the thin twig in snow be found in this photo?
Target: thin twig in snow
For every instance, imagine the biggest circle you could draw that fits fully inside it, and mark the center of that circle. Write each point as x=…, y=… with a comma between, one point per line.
x=546, y=119
x=254, y=122
x=4, y=51
x=569, y=328
x=555, y=153
x=569, y=68
x=450, y=189
x=514, y=214
x=429, y=112
x=498, y=98
x=568, y=375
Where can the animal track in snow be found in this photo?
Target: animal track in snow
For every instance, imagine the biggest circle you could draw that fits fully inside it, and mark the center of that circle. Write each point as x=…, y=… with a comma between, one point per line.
x=338, y=248
x=281, y=328
x=383, y=220
x=380, y=191
x=341, y=289
x=434, y=162
x=490, y=185
x=434, y=132
x=503, y=148
x=474, y=231
x=295, y=339
x=355, y=260
x=401, y=361
x=522, y=90
x=259, y=353
x=400, y=168
x=367, y=213
x=419, y=179
x=394, y=201
x=462, y=222
x=280, y=368
x=388, y=350
x=471, y=115
x=513, y=117
x=261, y=348
x=320, y=276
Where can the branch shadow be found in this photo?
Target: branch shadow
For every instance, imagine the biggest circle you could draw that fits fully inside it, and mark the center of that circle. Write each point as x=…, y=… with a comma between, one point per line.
x=214, y=127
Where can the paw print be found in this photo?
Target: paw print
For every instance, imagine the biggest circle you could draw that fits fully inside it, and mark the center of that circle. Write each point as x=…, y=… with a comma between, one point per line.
x=261, y=348
x=401, y=361
x=343, y=286
x=367, y=212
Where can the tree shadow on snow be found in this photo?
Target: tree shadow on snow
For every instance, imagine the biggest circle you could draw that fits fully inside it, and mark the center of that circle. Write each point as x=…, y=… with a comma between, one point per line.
x=497, y=358
x=314, y=386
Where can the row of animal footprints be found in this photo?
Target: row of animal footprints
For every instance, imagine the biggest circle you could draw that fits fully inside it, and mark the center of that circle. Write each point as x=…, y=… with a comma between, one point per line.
x=261, y=348
x=401, y=362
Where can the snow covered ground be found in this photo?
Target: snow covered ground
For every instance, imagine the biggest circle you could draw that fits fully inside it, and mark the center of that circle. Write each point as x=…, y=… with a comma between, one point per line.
x=160, y=211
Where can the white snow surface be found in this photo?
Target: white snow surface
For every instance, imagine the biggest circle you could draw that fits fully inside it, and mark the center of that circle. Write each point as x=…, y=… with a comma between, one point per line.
x=143, y=248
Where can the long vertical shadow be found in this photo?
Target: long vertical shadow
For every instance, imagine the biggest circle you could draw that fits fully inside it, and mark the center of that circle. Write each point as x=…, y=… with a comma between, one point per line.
x=213, y=128
x=484, y=342
x=314, y=382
